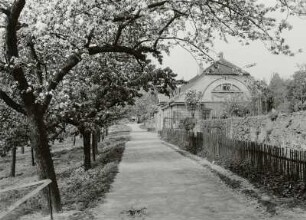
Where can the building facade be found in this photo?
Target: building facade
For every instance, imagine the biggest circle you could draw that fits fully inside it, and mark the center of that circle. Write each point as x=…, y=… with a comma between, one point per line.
x=219, y=84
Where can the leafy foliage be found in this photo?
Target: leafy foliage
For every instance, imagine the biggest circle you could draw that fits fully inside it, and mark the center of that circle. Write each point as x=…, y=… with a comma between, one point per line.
x=59, y=35
x=55, y=52
x=13, y=130
x=297, y=90
x=188, y=123
x=83, y=188
x=278, y=88
x=262, y=97
x=192, y=100
x=144, y=106
x=273, y=115
x=234, y=107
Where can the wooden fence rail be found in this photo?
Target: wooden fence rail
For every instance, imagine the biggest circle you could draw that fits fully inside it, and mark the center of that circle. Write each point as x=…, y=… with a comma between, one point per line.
x=289, y=163
x=42, y=184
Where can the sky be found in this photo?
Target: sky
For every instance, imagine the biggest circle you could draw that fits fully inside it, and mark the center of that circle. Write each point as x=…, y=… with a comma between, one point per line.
x=182, y=63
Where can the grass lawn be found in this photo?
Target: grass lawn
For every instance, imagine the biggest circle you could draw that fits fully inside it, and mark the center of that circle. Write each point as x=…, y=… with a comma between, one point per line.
x=80, y=190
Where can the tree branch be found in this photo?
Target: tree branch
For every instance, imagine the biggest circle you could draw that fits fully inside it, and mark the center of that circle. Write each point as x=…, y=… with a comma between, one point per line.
x=122, y=26
x=239, y=13
x=187, y=42
x=74, y=59
x=23, y=86
x=157, y=4
x=165, y=28
x=72, y=122
x=129, y=17
x=11, y=103
x=71, y=62
x=57, y=133
x=11, y=29
x=5, y=11
x=220, y=20
x=137, y=53
x=89, y=38
x=39, y=71
x=2, y=66
x=63, y=37
x=119, y=32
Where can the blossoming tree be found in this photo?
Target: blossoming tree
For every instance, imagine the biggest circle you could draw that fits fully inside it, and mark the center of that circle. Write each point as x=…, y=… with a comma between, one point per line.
x=46, y=42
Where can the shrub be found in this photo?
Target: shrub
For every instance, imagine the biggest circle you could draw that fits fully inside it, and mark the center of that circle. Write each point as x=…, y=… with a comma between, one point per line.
x=83, y=187
x=273, y=115
x=188, y=123
x=236, y=109
x=192, y=100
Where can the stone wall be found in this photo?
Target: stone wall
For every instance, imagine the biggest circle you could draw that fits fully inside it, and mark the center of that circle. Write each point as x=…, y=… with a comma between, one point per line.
x=288, y=130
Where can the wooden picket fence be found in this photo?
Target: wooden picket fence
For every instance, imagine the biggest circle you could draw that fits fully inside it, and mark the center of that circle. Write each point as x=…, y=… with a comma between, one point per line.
x=289, y=163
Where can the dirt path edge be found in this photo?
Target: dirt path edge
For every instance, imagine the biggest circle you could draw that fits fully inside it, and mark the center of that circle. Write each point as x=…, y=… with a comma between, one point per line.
x=231, y=179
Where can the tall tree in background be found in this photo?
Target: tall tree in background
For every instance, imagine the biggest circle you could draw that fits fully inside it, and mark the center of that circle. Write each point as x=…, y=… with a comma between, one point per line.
x=278, y=88
x=45, y=41
x=261, y=98
x=297, y=90
x=144, y=106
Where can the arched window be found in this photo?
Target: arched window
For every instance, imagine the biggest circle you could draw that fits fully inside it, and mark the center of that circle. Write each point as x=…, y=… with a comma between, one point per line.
x=226, y=88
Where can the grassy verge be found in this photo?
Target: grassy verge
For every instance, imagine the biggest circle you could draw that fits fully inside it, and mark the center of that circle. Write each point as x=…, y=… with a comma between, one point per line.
x=80, y=190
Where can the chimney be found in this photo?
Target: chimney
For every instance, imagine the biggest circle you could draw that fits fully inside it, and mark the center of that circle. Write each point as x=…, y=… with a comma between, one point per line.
x=221, y=55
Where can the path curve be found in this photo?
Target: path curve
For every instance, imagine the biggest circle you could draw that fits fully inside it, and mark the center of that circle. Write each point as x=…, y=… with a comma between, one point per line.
x=168, y=186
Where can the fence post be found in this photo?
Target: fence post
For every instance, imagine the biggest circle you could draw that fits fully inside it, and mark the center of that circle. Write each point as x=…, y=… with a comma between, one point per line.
x=50, y=202
x=304, y=166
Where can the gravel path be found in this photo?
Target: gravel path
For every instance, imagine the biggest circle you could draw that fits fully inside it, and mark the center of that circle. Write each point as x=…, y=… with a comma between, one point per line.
x=155, y=182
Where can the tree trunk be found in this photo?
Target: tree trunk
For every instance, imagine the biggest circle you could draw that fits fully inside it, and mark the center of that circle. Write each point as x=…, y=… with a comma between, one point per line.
x=74, y=138
x=102, y=134
x=98, y=132
x=94, y=145
x=97, y=141
x=86, y=146
x=22, y=149
x=106, y=131
x=13, y=163
x=44, y=162
x=32, y=156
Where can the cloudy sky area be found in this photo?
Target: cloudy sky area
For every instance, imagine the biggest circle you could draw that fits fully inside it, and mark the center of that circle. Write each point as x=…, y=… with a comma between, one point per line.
x=266, y=63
